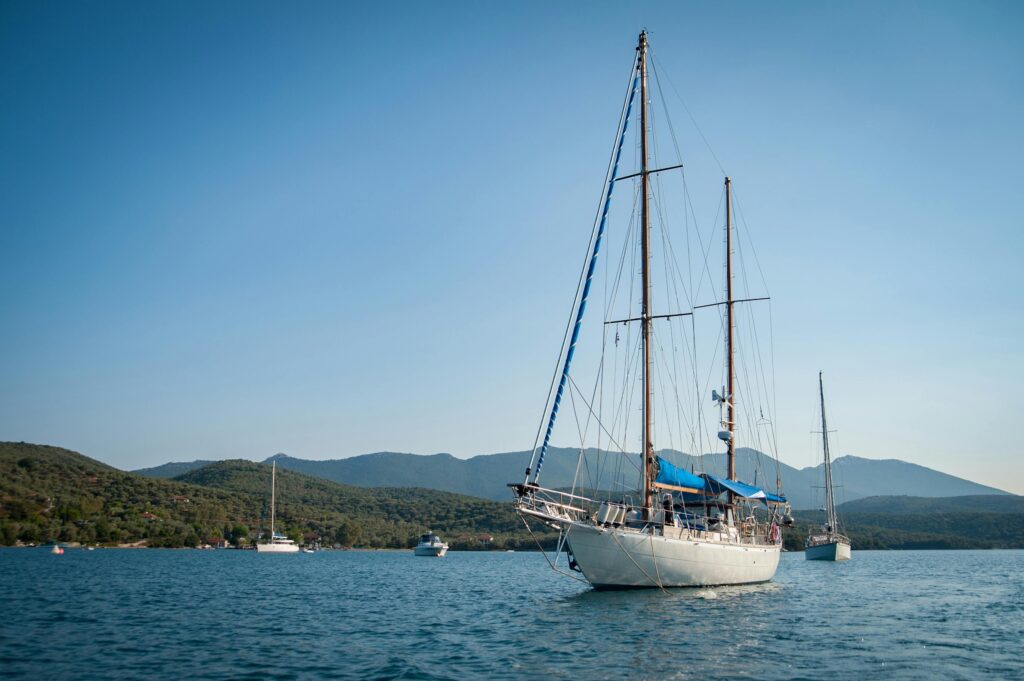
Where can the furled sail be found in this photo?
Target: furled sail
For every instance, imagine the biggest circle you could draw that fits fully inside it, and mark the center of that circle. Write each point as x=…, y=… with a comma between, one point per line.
x=674, y=477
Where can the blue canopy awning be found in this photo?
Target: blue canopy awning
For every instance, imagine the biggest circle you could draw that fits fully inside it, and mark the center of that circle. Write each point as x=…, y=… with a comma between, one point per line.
x=672, y=475
x=717, y=485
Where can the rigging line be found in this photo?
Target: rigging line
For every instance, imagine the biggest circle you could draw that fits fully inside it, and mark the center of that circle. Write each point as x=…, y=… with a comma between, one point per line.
x=669, y=413
x=581, y=307
x=627, y=362
x=657, y=583
x=576, y=417
x=757, y=357
x=698, y=435
x=775, y=444
x=654, y=557
x=599, y=398
x=660, y=363
x=617, y=282
x=774, y=395
x=625, y=399
x=623, y=116
x=597, y=419
x=675, y=391
x=631, y=359
x=545, y=553
x=737, y=210
x=679, y=157
x=675, y=384
x=671, y=267
x=707, y=252
x=693, y=120
x=598, y=380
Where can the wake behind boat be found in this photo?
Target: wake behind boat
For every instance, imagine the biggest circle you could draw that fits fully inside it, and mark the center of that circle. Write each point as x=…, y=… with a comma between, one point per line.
x=679, y=527
x=827, y=543
x=431, y=545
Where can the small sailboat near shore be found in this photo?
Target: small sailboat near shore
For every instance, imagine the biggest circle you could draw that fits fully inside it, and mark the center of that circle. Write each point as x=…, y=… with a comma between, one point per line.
x=826, y=542
x=278, y=542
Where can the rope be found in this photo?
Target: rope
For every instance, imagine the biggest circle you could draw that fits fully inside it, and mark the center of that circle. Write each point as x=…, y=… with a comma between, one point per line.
x=581, y=308
x=657, y=582
x=545, y=554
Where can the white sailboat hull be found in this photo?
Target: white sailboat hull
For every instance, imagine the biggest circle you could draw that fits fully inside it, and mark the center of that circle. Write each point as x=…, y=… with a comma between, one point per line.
x=277, y=548
x=615, y=559
x=837, y=550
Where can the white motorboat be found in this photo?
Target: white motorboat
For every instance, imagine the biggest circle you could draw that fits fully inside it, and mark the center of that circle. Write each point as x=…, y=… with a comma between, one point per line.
x=431, y=545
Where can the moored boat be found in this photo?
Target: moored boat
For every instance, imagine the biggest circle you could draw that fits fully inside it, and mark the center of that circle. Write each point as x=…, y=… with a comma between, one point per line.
x=430, y=545
x=278, y=542
x=677, y=527
x=827, y=542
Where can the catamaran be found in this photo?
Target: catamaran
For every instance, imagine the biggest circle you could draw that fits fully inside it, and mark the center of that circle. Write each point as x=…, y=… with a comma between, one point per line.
x=826, y=542
x=278, y=542
x=677, y=527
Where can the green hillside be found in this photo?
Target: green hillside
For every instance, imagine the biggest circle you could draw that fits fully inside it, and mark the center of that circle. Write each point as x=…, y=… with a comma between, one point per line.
x=902, y=522
x=53, y=494
x=385, y=516
x=983, y=503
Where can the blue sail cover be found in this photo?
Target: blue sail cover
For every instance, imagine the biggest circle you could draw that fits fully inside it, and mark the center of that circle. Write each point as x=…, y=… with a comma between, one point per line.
x=669, y=474
x=717, y=485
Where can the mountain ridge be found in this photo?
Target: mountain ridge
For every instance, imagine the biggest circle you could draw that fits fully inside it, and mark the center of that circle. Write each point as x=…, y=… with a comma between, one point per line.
x=487, y=475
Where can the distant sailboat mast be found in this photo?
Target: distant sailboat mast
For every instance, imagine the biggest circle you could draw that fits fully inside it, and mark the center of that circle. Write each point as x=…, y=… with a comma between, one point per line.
x=830, y=505
x=273, y=486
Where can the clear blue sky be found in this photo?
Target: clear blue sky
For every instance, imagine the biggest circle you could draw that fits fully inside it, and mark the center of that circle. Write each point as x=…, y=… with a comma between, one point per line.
x=231, y=229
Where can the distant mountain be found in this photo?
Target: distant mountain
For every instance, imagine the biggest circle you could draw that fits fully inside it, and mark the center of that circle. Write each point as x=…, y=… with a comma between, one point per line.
x=484, y=476
x=886, y=477
x=172, y=469
x=487, y=475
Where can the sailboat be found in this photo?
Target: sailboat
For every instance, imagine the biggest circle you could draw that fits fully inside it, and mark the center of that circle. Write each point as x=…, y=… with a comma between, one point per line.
x=682, y=528
x=826, y=543
x=278, y=542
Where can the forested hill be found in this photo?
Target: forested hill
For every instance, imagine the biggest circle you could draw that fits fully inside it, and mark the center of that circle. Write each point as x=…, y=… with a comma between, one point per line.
x=989, y=521
x=49, y=494
x=389, y=515
x=974, y=503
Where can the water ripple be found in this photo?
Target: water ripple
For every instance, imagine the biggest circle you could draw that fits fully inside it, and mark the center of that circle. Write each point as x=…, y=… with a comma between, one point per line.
x=363, y=615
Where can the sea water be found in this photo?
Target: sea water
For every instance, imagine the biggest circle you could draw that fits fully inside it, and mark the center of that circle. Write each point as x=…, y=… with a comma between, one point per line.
x=134, y=614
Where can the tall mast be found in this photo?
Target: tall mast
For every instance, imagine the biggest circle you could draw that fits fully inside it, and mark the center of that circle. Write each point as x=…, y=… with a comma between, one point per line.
x=830, y=507
x=273, y=491
x=729, y=394
x=645, y=256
